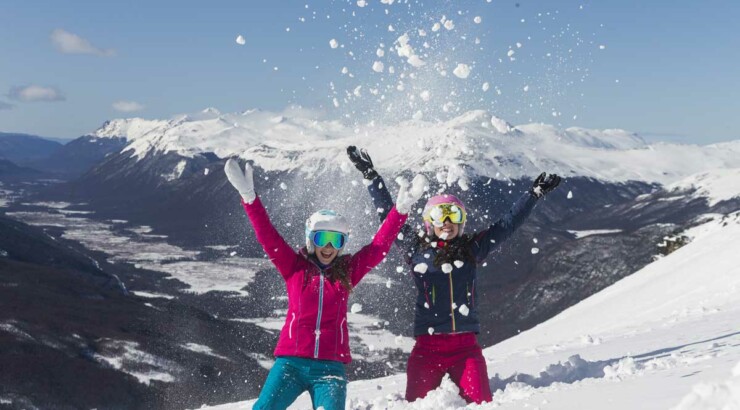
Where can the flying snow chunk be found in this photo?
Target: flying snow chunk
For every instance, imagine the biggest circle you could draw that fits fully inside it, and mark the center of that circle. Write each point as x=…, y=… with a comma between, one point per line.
x=570, y=194
x=431, y=331
x=449, y=25
x=535, y=251
x=418, y=115
x=446, y=267
x=459, y=264
x=283, y=186
x=510, y=53
x=436, y=27
x=464, y=310
x=486, y=86
x=388, y=284
x=526, y=88
x=356, y=308
x=378, y=67
x=421, y=268
x=333, y=43
x=425, y=95
x=380, y=52
x=477, y=20
x=361, y=3
x=602, y=47
x=462, y=70
x=241, y=40
x=399, y=269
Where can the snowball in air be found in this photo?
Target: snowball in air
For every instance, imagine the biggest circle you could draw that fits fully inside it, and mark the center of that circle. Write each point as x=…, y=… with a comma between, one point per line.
x=462, y=70
x=333, y=43
x=421, y=268
x=464, y=310
x=356, y=308
x=446, y=267
x=378, y=67
x=241, y=40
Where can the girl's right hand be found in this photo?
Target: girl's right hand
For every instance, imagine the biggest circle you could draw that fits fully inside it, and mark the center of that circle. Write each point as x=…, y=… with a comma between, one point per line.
x=242, y=181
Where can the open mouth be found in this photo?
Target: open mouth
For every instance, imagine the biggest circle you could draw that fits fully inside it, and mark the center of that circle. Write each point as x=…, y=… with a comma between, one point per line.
x=326, y=254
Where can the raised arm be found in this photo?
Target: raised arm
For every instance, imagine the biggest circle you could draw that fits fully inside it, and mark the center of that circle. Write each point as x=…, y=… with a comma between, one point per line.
x=381, y=197
x=279, y=252
x=485, y=241
x=372, y=254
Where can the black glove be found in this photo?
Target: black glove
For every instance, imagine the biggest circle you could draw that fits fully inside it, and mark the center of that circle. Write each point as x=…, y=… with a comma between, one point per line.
x=362, y=162
x=544, y=184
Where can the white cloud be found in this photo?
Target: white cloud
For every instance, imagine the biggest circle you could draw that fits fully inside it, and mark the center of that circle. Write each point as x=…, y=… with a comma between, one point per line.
x=69, y=43
x=127, y=106
x=34, y=93
x=5, y=106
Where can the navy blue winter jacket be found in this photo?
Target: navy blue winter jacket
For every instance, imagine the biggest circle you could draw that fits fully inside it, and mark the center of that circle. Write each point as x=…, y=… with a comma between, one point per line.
x=447, y=303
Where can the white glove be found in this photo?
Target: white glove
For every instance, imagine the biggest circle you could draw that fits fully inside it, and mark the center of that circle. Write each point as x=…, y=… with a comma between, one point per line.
x=408, y=195
x=242, y=181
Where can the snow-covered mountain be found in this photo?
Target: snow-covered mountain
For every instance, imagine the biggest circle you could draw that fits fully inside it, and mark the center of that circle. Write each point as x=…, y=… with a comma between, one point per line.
x=665, y=337
x=474, y=142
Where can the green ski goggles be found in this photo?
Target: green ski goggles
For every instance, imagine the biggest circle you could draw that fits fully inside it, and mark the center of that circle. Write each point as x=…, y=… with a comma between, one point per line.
x=323, y=238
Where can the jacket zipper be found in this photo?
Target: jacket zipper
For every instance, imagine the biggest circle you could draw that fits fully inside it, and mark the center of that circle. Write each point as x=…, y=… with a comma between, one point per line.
x=452, y=303
x=318, y=317
x=290, y=328
x=341, y=331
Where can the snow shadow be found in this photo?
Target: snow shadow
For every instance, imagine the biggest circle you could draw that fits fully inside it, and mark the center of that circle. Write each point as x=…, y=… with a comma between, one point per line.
x=576, y=368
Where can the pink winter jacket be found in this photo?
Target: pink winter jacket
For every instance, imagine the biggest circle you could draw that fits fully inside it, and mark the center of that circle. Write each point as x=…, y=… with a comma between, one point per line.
x=316, y=323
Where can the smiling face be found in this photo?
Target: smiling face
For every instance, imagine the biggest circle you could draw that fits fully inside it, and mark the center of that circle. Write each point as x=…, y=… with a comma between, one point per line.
x=326, y=254
x=447, y=231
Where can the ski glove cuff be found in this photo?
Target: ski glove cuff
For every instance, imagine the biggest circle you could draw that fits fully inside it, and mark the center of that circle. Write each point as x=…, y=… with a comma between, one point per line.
x=243, y=182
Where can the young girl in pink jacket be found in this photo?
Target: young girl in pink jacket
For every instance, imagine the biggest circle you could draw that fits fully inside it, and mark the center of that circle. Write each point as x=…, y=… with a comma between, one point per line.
x=314, y=341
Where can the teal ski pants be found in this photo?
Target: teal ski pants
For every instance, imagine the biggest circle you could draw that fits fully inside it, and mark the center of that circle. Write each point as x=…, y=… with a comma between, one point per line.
x=325, y=381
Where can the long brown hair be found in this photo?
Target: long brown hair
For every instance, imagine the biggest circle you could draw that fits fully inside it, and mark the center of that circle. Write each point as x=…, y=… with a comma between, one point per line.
x=338, y=271
x=455, y=249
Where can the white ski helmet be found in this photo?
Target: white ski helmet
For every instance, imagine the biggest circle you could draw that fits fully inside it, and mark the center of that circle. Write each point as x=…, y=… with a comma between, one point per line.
x=325, y=220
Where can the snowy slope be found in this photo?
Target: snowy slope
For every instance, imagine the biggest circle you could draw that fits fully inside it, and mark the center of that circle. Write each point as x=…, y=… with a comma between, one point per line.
x=664, y=337
x=716, y=185
x=474, y=143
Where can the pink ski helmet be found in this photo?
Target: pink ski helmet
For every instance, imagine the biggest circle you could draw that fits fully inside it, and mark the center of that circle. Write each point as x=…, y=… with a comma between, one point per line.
x=439, y=200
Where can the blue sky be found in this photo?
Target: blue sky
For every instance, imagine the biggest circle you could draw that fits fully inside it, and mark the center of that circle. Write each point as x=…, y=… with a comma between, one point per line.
x=667, y=70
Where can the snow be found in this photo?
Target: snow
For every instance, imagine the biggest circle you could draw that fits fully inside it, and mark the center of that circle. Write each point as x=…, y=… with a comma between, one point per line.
x=151, y=295
x=447, y=267
x=716, y=185
x=126, y=356
x=421, y=268
x=356, y=308
x=461, y=71
x=240, y=40
x=302, y=140
x=378, y=67
x=664, y=337
x=585, y=233
x=333, y=43
x=206, y=350
x=147, y=251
